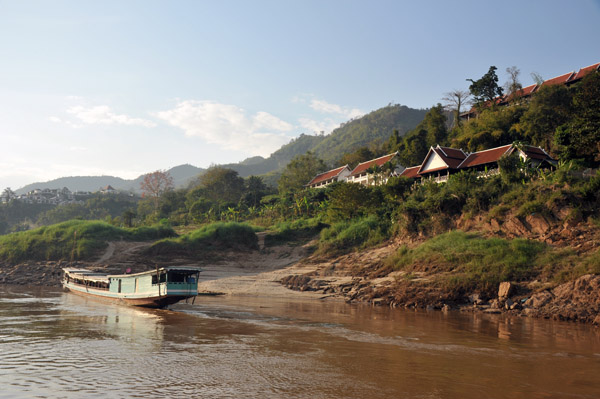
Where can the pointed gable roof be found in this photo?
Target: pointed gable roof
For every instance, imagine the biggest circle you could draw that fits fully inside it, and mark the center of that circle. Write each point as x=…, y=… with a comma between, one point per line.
x=562, y=79
x=411, y=173
x=485, y=156
x=584, y=71
x=363, y=166
x=450, y=159
x=327, y=175
x=536, y=153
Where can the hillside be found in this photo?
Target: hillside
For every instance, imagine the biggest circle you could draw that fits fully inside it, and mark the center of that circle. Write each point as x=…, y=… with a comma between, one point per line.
x=181, y=176
x=376, y=126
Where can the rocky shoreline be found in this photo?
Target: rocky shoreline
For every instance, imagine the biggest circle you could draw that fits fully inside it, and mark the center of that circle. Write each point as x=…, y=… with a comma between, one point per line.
x=290, y=271
x=577, y=301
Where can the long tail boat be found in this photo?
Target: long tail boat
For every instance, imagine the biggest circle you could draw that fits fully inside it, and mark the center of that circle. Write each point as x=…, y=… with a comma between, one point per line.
x=154, y=288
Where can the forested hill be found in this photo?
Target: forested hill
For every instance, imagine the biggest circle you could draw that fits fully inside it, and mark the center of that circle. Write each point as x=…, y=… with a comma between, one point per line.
x=376, y=126
x=373, y=128
x=181, y=175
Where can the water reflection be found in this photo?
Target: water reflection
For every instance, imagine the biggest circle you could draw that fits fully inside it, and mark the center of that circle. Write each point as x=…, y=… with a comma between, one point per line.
x=54, y=344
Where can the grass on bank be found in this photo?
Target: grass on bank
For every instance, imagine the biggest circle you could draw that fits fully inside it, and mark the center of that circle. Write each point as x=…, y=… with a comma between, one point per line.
x=209, y=237
x=466, y=263
x=289, y=231
x=354, y=234
x=75, y=239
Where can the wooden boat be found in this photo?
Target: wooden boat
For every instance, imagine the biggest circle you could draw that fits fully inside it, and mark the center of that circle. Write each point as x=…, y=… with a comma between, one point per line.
x=154, y=288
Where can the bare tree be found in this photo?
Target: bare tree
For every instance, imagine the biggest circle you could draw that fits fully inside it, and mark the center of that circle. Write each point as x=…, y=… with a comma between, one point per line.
x=537, y=78
x=155, y=184
x=513, y=85
x=454, y=101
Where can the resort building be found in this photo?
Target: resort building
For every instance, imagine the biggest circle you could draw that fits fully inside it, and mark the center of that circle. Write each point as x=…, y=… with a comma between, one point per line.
x=440, y=163
x=376, y=171
x=326, y=178
x=567, y=79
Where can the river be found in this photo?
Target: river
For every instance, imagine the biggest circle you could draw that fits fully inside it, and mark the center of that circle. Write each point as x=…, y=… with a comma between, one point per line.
x=59, y=345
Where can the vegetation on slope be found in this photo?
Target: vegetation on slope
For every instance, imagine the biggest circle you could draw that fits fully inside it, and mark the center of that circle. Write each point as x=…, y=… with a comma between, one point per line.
x=73, y=240
x=209, y=237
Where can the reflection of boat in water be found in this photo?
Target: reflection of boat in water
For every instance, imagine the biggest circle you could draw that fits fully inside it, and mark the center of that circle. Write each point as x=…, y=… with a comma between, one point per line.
x=154, y=288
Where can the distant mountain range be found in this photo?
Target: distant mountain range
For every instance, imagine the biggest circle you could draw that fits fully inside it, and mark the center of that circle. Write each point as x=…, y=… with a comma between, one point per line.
x=373, y=127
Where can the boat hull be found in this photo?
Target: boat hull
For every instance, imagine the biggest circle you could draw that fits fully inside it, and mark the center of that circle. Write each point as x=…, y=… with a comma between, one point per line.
x=153, y=301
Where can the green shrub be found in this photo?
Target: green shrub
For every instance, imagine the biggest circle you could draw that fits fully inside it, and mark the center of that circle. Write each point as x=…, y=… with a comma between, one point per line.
x=354, y=234
x=75, y=239
x=210, y=237
x=294, y=230
x=467, y=262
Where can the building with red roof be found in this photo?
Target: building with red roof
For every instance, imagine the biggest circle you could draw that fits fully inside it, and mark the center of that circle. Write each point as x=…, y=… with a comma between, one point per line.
x=411, y=173
x=441, y=162
x=326, y=178
x=486, y=161
x=362, y=173
x=567, y=79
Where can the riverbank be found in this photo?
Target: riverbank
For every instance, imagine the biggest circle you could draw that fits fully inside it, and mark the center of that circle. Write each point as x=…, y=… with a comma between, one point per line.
x=292, y=270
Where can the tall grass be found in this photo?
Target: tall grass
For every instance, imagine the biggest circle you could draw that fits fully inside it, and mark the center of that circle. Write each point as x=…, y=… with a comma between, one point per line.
x=295, y=230
x=212, y=236
x=353, y=234
x=75, y=239
x=466, y=262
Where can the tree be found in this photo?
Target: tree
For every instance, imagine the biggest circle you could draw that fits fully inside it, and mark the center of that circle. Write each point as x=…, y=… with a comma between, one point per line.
x=454, y=101
x=222, y=185
x=413, y=148
x=350, y=200
x=155, y=184
x=513, y=84
x=435, y=125
x=8, y=195
x=255, y=190
x=550, y=107
x=362, y=154
x=486, y=89
x=580, y=138
x=299, y=172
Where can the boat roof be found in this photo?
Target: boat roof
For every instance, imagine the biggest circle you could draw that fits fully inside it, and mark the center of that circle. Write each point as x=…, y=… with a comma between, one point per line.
x=87, y=274
x=99, y=276
x=160, y=269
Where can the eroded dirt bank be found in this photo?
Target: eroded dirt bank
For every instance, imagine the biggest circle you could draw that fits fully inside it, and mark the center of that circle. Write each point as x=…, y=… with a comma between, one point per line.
x=292, y=271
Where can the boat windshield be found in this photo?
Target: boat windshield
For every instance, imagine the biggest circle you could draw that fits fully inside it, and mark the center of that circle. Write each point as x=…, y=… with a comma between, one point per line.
x=176, y=276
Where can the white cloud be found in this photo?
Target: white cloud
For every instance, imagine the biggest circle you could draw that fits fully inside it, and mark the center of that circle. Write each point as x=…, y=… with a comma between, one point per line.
x=102, y=115
x=314, y=126
x=328, y=108
x=229, y=126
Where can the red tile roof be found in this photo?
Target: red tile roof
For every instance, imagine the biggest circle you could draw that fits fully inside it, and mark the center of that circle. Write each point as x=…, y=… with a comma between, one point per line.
x=485, y=156
x=584, y=71
x=326, y=175
x=524, y=92
x=536, y=153
x=567, y=78
x=451, y=157
x=361, y=167
x=562, y=79
x=411, y=173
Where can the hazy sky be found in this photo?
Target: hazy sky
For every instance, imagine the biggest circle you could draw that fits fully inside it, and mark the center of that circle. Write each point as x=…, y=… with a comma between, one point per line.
x=128, y=87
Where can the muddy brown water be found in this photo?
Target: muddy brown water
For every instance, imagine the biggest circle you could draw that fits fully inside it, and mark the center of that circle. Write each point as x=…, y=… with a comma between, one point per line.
x=59, y=345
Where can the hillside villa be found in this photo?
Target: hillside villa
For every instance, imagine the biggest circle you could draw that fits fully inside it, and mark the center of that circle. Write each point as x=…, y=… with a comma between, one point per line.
x=331, y=176
x=524, y=94
x=439, y=163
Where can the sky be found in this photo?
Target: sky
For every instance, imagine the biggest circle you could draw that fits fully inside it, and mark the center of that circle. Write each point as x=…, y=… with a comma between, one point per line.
x=123, y=88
